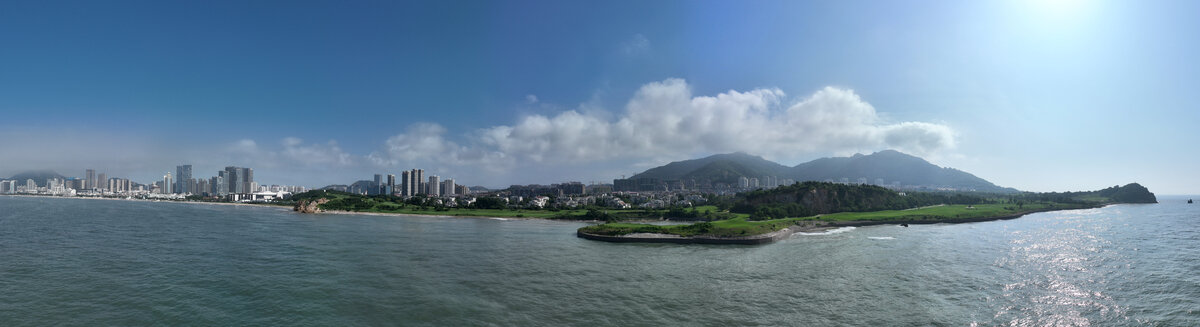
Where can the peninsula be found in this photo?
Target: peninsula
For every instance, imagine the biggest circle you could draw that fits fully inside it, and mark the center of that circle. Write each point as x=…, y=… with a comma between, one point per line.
x=771, y=215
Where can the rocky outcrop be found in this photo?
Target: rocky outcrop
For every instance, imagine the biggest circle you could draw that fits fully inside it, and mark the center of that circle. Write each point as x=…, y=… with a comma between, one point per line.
x=310, y=206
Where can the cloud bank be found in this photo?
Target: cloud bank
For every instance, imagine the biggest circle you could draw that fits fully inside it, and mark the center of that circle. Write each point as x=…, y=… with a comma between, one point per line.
x=663, y=121
x=666, y=121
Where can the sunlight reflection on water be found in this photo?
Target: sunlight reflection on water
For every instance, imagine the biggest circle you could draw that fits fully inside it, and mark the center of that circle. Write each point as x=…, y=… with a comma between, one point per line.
x=1061, y=278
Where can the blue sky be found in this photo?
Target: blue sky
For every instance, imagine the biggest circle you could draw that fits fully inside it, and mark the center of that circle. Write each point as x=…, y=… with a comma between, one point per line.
x=1049, y=95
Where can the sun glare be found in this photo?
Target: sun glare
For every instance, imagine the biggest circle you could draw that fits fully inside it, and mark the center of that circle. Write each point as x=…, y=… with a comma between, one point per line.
x=1059, y=7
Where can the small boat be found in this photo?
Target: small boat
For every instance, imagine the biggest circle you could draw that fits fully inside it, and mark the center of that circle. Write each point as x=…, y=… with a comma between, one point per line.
x=904, y=225
x=1189, y=201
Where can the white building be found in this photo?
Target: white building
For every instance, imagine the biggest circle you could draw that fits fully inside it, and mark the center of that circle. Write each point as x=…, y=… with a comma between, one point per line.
x=448, y=187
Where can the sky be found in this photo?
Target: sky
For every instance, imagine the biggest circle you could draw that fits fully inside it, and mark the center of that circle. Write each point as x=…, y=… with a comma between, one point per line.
x=1051, y=95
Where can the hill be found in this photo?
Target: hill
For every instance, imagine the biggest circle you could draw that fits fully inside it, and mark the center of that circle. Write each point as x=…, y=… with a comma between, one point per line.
x=888, y=168
x=813, y=198
x=38, y=176
x=720, y=168
x=1130, y=193
x=892, y=168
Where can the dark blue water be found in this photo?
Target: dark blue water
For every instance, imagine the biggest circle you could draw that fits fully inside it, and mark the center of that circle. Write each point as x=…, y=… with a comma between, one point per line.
x=96, y=262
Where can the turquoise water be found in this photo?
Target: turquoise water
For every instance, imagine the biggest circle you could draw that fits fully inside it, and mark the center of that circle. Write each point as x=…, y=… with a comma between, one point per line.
x=95, y=262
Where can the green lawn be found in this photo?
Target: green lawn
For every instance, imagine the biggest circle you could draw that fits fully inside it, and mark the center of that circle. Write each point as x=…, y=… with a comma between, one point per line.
x=949, y=212
x=721, y=228
x=742, y=227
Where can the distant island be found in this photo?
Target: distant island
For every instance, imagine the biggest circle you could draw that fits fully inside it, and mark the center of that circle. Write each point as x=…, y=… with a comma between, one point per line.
x=769, y=215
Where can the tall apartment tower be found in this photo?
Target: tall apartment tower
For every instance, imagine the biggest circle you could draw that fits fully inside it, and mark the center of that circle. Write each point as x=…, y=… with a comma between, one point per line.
x=239, y=180
x=167, y=184
x=448, y=187
x=433, y=186
x=248, y=180
x=91, y=179
x=102, y=181
x=183, y=173
x=391, y=185
x=420, y=181
x=405, y=183
x=378, y=184
x=218, y=184
x=232, y=179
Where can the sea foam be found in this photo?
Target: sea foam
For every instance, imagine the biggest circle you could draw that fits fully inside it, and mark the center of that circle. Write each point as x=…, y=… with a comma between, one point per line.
x=831, y=231
x=881, y=237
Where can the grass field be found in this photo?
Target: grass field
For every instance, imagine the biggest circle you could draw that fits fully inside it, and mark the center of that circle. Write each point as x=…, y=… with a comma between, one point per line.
x=948, y=212
x=742, y=227
x=721, y=228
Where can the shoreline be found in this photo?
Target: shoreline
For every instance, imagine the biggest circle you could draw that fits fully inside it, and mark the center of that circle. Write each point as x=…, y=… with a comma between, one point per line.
x=290, y=208
x=788, y=231
x=143, y=200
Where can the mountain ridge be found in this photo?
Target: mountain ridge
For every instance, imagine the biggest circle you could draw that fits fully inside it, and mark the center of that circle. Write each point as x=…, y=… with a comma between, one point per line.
x=38, y=176
x=891, y=167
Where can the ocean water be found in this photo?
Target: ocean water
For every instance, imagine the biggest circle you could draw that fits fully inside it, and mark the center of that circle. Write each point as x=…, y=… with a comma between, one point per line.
x=81, y=262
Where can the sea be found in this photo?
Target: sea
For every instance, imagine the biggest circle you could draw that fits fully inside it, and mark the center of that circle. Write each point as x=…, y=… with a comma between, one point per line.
x=83, y=262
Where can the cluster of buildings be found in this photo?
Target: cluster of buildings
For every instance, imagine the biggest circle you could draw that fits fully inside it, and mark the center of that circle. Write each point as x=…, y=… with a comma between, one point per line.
x=232, y=183
x=92, y=184
x=411, y=183
x=518, y=198
x=646, y=184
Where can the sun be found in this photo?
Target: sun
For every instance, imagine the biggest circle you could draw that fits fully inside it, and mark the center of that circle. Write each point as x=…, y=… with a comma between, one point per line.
x=1059, y=7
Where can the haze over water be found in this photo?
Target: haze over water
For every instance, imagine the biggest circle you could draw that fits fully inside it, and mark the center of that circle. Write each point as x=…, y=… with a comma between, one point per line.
x=94, y=262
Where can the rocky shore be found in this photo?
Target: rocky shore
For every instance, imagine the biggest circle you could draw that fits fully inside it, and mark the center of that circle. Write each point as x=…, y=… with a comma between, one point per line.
x=307, y=206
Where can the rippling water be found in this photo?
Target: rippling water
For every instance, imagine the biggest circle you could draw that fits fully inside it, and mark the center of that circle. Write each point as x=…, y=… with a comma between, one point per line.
x=96, y=262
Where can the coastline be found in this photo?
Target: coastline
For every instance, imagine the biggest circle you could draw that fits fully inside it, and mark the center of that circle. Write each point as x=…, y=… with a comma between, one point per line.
x=289, y=208
x=144, y=200
x=788, y=231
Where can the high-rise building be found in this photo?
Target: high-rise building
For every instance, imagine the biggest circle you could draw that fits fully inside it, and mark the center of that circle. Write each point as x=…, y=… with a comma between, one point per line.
x=405, y=183
x=91, y=179
x=203, y=187
x=391, y=185
x=248, y=180
x=167, y=184
x=448, y=187
x=378, y=184
x=420, y=181
x=183, y=174
x=102, y=181
x=219, y=184
x=432, y=187
x=239, y=180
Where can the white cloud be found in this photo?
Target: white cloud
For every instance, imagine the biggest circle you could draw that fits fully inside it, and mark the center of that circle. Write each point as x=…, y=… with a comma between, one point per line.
x=662, y=121
x=425, y=143
x=292, y=153
x=531, y=99
x=665, y=121
x=635, y=45
x=327, y=154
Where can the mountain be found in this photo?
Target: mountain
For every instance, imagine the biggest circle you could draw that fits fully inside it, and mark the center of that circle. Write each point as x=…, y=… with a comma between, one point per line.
x=889, y=166
x=38, y=176
x=721, y=168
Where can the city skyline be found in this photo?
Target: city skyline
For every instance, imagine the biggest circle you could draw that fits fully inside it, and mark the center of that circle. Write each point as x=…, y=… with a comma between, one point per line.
x=1035, y=95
